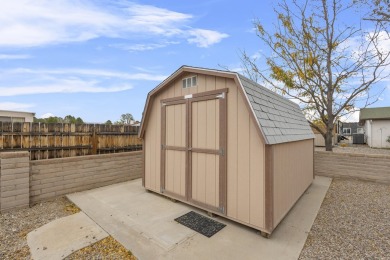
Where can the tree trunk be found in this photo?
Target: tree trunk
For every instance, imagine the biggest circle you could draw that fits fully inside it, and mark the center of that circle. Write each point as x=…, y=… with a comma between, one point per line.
x=328, y=141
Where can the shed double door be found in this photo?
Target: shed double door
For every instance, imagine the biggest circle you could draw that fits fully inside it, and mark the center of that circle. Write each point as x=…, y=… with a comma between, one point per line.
x=193, y=157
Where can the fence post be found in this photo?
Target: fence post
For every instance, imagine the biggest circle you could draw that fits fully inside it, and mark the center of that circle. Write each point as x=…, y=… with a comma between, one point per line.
x=94, y=141
x=14, y=180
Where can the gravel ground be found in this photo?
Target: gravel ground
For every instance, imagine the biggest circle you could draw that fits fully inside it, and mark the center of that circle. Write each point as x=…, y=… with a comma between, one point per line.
x=353, y=223
x=16, y=224
x=356, y=149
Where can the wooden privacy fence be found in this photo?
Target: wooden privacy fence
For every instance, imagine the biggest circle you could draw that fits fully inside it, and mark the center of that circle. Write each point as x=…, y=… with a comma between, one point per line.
x=59, y=140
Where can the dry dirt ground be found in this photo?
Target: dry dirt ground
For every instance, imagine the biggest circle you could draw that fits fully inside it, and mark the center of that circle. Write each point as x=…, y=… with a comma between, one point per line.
x=16, y=224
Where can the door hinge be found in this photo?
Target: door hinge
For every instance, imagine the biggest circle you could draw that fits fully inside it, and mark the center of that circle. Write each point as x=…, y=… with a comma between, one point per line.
x=222, y=152
x=222, y=95
x=162, y=147
x=222, y=209
x=162, y=190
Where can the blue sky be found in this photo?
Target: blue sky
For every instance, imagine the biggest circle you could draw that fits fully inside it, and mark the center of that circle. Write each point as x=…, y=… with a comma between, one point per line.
x=99, y=59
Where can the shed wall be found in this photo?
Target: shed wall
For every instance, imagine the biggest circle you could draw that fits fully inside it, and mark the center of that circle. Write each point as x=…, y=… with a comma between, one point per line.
x=245, y=148
x=293, y=173
x=319, y=140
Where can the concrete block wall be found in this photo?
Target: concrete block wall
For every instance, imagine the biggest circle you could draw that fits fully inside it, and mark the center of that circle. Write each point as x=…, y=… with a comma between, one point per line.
x=371, y=167
x=14, y=180
x=24, y=182
x=56, y=177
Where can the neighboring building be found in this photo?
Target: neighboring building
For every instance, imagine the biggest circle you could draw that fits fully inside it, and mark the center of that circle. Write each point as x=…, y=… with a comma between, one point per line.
x=319, y=140
x=376, y=123
x=135, y=123
x=16, y=116
x=221, y=142
x=350, y=130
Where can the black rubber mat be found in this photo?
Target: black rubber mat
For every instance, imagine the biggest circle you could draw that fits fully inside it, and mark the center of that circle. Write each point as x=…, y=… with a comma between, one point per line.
x=200, y=224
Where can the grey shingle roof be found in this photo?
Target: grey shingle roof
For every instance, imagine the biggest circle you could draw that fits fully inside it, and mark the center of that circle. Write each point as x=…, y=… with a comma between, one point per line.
x=281, y=120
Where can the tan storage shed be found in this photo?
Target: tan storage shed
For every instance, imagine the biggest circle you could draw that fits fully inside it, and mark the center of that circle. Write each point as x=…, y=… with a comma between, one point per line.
x=219, y=141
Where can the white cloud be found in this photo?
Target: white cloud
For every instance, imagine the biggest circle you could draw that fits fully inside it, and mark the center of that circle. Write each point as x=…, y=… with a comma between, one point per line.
x=15, y=106
x=205, y=38
x=156, y=20
x=26, y=81
x=14, y=56
x=85, y=72
x=144, y=46
x=25, y=23
x=61, y=86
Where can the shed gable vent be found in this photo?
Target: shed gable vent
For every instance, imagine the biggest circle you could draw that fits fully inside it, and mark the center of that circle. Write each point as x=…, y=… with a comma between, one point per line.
x=189, y=82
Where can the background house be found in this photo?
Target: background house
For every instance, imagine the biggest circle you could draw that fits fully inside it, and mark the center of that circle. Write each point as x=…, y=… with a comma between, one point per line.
x=319, y=139
x=350, y=130
x=16, y=116
x=376, y=123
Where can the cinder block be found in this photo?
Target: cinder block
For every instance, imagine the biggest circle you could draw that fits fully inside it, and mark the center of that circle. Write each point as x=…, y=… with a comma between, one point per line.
x=54, y=180
x=5, y=194
x=71, y=185
x=15, y=187
x=35, y=192
x=7, y=200
x=5, y=183
x=41, y=197
x=15, y=171
x=43, y=186
x=14, y=205
x=8, y=155
x=52, y=189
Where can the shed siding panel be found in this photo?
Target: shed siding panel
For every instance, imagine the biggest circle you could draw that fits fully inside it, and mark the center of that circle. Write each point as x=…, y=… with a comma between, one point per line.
x=175, y=169
x=243, y=180
x=205, y=167
x=210, y=82
x=246, y=153
x=147, y=148
x=257, y=167
x=150, y=154
x=202, y=83
x=157, y=146
x=293, y=173
x=232, y=152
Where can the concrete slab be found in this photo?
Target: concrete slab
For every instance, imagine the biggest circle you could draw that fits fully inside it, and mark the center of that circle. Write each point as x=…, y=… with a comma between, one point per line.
x=63, y=236
x=144, y=223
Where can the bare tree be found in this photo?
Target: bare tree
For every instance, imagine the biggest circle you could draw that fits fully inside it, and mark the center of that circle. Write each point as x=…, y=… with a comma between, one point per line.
x=379, y=10
x=315, y=59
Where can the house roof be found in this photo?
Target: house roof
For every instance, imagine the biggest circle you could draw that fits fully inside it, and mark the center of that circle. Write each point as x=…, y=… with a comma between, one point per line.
x=16, y=112
x=374, y=113
x=279, y=119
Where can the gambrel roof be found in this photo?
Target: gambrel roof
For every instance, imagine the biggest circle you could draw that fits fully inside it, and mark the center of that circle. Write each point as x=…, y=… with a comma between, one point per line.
x=279, y=119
